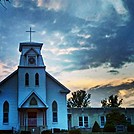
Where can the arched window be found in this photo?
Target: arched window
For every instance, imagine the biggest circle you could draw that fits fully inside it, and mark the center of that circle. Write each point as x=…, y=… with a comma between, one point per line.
x=5, y=112
x=26, y=79
x=33, y=102
x=37, y=79
x=55, y=110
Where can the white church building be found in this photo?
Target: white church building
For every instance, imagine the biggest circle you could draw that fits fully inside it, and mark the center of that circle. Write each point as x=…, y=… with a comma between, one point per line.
x=31, y=98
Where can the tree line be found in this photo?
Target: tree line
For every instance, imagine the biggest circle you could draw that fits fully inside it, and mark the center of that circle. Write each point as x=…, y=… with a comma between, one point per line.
x=3, y=3
x=81, y=98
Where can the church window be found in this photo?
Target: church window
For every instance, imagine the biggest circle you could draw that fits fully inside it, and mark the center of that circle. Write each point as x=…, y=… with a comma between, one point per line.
x=33, y=102
x=26, y=79
x=54, y=110
x=5, y=112
x=37, y=79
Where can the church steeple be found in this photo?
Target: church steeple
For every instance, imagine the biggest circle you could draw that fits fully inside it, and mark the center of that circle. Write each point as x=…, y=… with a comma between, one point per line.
x=31, y=54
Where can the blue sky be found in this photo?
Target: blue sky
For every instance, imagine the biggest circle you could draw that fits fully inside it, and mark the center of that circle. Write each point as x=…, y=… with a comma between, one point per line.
x=87, y=43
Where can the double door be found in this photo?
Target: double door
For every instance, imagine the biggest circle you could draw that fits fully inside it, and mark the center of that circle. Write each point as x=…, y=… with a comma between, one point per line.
x=32, y=119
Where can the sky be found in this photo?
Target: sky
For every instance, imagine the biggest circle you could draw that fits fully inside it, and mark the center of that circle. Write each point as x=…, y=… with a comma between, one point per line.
x=88, y=44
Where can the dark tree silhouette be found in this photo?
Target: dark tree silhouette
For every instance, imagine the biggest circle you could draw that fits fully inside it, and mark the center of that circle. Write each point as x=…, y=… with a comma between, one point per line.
x=79, y=98
x=3, y=3
x=96, y=127
x=112, y=101
x=116, y=118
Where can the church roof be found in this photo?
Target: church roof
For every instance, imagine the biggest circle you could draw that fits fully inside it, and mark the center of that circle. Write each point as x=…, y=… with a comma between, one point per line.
x=64, y=90
x=35, y=44
x=30, y=50
x=8, y=77
x=35, y=94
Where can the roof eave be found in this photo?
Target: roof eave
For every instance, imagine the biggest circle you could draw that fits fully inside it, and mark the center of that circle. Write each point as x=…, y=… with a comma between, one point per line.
x=64, y=90
x=8, y=77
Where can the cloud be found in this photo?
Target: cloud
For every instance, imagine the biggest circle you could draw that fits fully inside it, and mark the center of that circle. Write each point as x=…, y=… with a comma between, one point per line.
x=6, y=69
x=55, y=5
x=90, y=37
x=124, y=90
x=114, y=72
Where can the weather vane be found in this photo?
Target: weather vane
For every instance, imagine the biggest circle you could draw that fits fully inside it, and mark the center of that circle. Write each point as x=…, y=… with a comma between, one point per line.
x=30, y=31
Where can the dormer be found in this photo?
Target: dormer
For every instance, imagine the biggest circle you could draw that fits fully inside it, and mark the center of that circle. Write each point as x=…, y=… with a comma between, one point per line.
x=31, y=54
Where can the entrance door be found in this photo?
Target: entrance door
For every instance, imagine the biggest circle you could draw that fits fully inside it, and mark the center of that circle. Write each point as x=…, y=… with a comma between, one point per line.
x=32, y=119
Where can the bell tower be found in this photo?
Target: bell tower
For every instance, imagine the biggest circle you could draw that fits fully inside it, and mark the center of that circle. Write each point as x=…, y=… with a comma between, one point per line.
x=31, y=72
x=31, y=54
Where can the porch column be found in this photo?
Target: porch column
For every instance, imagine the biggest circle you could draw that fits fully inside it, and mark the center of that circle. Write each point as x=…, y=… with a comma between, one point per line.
x=44, y=118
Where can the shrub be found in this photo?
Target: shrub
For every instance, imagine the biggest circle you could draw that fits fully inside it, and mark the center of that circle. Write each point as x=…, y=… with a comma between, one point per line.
x=63, y=130
x=25, y=132
x=6, y=131
x=96, y=127
x=109, y=128
x=46, y=132
x=77, y=131
x=56, y=130
x=130, y=128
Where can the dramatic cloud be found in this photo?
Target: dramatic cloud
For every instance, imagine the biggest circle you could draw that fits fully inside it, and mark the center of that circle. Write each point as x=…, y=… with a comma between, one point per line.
x=114, y=72
x=124, y=90
x=92, y=38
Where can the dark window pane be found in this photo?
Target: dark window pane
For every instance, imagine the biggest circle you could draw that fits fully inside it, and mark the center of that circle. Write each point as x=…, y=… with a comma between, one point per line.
x=54, y=116
x=33, y=101
x=6, y=107
x=37, y=79
x=86, y=121
x=27, y=79
x=80, y=121
x=5, y=118
x=54, y=106
x=102, y=121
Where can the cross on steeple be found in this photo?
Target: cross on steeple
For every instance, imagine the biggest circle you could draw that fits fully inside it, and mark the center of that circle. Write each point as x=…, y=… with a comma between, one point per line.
x=30, y=31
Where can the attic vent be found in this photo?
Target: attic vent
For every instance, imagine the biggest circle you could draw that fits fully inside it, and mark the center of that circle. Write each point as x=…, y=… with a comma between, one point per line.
x=33, y=102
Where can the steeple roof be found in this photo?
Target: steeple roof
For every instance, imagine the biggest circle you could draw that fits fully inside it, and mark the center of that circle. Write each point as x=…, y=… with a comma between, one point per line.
x=34, y=44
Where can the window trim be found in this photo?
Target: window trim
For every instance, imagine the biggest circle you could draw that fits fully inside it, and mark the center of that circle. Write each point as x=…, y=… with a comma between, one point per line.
x=54, y=112
x=83, y=121
x=5, y=112
x=102, y=126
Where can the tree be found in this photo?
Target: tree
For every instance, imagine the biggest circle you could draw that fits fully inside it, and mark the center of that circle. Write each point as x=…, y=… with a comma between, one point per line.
x=3, y=3
x=96, y=127
x=113, y=119
x=79, y=98
x=112, y=101
x=116, y=118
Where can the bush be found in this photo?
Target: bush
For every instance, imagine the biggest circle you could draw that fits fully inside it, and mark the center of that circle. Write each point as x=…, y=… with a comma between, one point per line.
x=56, y=130
x=130, y=128
x=96, y=127
x=109, y=128
x=25, y=132
x=77, y=131
x=46, y=132
x=6, y=131
x=63, y=130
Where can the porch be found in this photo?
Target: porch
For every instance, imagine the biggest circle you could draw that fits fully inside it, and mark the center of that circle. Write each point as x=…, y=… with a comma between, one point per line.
x=33, y=120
